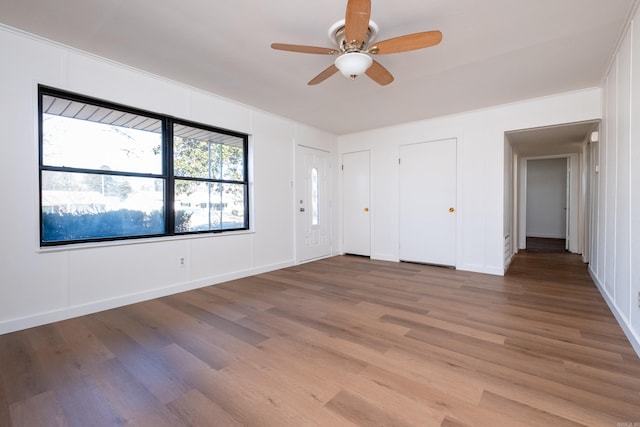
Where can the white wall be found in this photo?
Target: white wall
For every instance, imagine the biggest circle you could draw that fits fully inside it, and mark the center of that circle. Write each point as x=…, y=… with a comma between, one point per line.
x=39, y=286
x=615, y=256
x=481, y=174
x=547, y=198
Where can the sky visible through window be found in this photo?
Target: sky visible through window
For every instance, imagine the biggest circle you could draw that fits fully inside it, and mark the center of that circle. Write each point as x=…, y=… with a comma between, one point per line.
x=84, y=144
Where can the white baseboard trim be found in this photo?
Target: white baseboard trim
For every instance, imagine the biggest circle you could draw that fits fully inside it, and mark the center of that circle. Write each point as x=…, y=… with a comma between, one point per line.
x=38, y=319
x=496, y=271
x=631, y=336
x=385, y=257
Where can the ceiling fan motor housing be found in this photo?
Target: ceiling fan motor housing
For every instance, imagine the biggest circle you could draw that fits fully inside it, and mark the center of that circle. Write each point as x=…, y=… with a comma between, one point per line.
x=336, y=35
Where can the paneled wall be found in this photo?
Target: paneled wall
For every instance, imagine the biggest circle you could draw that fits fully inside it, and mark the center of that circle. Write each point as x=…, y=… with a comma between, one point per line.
x=615, y=257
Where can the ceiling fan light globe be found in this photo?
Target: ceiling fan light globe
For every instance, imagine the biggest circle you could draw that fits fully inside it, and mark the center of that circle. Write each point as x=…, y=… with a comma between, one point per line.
x=353, y=64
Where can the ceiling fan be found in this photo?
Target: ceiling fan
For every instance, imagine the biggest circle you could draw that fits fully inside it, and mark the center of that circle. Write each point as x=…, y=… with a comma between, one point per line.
x=354, y=38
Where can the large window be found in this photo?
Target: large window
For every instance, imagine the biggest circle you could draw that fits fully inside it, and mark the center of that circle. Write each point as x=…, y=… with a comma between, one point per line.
x=112, y=172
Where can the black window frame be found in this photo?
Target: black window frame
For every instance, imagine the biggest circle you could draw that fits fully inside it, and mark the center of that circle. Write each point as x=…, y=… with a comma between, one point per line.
x=167, y=125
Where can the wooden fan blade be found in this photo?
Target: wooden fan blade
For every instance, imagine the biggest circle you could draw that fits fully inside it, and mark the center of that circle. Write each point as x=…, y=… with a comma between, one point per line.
x=356, y=20
x=406, y=43
x=324, y=75
x=304, y=49
x=379, y=74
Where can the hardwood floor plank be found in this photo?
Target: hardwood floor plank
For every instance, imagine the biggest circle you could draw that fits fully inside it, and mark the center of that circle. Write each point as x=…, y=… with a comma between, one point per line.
x=328, y=328
x=21, y=374
x=194, y=409
x=5, y=414
x=145, y=366
x=602, y=377
x=127, y=396
x=40, y=410
x=362, y=412
x=505, y=405
x=299, y=377
x=429, y=322
x=218, y=322
x=441, y=406
x=254, y=402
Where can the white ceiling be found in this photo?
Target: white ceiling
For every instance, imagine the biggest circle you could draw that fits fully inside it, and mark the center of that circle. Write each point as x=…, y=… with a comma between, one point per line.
x=493, y=51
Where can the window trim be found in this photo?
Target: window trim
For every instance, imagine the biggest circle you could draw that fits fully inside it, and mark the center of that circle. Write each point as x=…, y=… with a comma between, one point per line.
x=167, y=126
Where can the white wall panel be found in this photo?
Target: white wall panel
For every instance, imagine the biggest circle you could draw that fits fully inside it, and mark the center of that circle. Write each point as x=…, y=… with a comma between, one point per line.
x=209, y=258
x=622, y=172
x=29, y=284
x=113, y=272
x=384, y=202
x=617, y=273
x=93, y=76
x=273, y=143
x=602, y=181
x=216, y=111
x=634, y=185
x=609, y=174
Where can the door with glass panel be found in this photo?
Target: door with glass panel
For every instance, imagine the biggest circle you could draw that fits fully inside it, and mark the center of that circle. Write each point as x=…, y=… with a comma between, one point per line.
x=313, y=222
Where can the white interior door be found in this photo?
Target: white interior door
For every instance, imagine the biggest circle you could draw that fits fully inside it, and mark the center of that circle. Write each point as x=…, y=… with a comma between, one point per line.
x=355, y=203
x=427, y=202
x=313, y=220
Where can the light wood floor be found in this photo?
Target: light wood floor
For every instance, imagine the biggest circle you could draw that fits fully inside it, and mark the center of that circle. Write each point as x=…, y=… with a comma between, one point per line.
x=341, y=341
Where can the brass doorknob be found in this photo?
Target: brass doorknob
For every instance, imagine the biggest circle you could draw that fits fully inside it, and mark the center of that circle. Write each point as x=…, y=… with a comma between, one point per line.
x=366, y=209
x=451, y=210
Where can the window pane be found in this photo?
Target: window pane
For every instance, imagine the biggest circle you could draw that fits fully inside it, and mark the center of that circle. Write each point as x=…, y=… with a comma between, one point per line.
x=233, y=164
x=233, y=214
x=203, y=206
x=80, y=135
x=314, y=197
x=201, y=153
x=78, y=206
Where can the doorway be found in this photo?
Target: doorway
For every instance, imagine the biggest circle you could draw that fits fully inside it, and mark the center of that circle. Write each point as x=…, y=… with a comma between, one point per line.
x=547, y=207
x=569, y=141
x=313, y=219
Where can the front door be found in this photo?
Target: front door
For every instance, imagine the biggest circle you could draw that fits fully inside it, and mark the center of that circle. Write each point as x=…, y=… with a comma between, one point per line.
x=428, y=202
x=313, y=219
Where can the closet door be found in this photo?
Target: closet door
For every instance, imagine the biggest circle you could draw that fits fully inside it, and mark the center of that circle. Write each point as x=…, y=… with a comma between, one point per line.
x=428, y=202
x=355, y=203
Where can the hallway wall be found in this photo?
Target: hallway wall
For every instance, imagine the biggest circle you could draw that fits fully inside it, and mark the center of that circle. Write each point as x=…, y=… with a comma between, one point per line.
x=615, y=258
